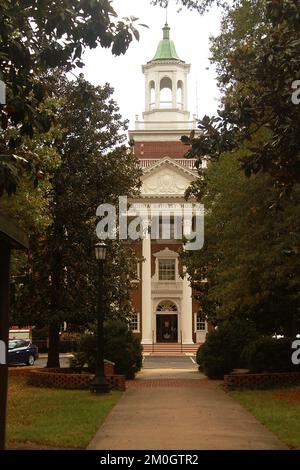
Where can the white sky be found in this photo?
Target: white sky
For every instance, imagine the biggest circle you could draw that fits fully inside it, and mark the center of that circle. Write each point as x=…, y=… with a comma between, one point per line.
x=189, y=31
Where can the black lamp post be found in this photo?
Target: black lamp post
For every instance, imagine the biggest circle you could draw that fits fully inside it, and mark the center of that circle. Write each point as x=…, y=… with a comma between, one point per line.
x=99, y=383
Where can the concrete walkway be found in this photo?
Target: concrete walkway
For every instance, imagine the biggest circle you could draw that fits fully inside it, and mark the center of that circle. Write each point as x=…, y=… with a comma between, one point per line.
x=171, y=406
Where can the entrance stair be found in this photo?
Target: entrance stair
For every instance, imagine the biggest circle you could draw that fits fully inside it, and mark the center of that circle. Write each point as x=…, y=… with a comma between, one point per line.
x=171, y=349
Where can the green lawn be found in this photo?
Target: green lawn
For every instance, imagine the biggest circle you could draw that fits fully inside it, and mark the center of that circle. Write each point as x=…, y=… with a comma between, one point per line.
x=277, y=409
x=54, y=418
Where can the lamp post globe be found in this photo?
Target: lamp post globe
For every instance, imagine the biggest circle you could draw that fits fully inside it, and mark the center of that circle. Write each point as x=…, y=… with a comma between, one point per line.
x=100, y=251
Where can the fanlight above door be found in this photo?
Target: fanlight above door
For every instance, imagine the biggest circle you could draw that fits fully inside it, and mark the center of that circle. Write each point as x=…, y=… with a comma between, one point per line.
x=166, y=306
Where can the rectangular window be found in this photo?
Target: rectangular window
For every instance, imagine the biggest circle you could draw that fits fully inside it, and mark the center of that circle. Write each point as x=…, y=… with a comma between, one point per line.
x=201, y=323
x=137, y=272
x=167, y=269
x=134, y=323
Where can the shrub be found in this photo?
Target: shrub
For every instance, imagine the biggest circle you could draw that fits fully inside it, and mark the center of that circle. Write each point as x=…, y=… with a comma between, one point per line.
x=123, y=348
x=86, y=352
x=65, y=346
x=68, y=345
x=120, y=347
x=268, y=354
x=221, y=353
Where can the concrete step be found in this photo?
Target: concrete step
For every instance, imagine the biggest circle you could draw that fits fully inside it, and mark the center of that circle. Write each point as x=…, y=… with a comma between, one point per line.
x=146, y=347
x=169, y=349
x=170, y=354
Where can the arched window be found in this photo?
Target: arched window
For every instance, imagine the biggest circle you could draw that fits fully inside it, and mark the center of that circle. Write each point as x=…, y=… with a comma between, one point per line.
x=152, y=94
x=180, y=94
x=166, y=93
x=166, y=306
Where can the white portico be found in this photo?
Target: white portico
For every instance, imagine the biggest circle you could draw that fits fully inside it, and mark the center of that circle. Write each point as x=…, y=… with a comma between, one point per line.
x=166, y=292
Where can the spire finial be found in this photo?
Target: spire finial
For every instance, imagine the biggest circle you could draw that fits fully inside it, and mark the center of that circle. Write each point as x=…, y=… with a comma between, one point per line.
x=166, y=31
x=166, y=28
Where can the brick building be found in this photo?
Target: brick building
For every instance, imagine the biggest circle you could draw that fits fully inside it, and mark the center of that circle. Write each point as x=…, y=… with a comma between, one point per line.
x=166, y=316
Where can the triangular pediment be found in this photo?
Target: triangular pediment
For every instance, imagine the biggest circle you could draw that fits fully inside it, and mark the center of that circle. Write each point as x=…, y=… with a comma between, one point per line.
x=166, y=179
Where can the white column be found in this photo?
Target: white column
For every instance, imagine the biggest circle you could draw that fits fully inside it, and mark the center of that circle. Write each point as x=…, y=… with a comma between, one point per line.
x=185, y=94
x=157, y=91
x=146, y=292
x=187, y=311
x=174, y=91
x=147, y=94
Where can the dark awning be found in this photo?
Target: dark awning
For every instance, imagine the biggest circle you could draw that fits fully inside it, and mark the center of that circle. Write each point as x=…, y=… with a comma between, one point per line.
x=11, y=234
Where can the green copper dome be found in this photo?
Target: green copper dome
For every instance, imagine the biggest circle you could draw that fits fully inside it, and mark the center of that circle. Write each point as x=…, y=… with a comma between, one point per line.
x=166, y=48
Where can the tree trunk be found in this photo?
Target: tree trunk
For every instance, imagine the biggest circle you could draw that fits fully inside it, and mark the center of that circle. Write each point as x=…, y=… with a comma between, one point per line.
x=53, y=349
x=56, y=309
x=57, y=290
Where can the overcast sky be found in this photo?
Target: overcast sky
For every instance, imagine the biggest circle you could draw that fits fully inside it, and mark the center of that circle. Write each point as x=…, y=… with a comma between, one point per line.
x=190, y=32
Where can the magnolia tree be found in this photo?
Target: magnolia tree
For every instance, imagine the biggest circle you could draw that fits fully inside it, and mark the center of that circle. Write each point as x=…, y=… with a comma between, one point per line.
x=259, y=75
x=59, y=282
x=250, y=261
x=36, y=38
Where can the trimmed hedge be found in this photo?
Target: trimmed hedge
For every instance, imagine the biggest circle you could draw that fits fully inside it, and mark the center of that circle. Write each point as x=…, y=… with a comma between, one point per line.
x=221, y=353
x=268, y=354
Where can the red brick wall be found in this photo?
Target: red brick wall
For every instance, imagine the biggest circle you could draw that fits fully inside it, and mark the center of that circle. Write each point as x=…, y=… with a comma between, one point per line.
x=262, y=380
x=62, y=378
x=137, y=297
x=159, y=149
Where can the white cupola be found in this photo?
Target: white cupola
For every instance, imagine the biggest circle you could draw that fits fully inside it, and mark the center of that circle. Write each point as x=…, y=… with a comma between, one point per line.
x=166, y=84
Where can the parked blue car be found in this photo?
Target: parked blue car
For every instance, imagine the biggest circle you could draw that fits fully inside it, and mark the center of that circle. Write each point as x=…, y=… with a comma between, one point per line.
x=22, y=352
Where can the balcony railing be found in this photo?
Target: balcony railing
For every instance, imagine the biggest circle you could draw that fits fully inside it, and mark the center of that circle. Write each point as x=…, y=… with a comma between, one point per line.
x=165, y=105
x=187, y=163
x=181, y=126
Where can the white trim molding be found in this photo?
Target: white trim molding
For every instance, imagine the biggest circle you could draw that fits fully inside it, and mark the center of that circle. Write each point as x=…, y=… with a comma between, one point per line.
x=166, y=254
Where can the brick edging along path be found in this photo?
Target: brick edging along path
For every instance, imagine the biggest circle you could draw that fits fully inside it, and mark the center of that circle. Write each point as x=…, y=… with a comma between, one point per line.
x=264, y=380
x=156, y=383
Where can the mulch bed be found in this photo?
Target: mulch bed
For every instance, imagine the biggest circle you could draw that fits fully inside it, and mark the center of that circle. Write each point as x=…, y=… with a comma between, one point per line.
x=291, y=395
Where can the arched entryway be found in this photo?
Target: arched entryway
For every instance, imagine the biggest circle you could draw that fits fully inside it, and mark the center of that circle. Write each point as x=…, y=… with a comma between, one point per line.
x=167, y=322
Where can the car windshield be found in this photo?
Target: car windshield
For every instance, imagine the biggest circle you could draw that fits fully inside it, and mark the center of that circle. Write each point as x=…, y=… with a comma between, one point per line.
x=17, y=343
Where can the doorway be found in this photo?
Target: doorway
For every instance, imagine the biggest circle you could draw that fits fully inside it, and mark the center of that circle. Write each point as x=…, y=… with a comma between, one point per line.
x=167, y=328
